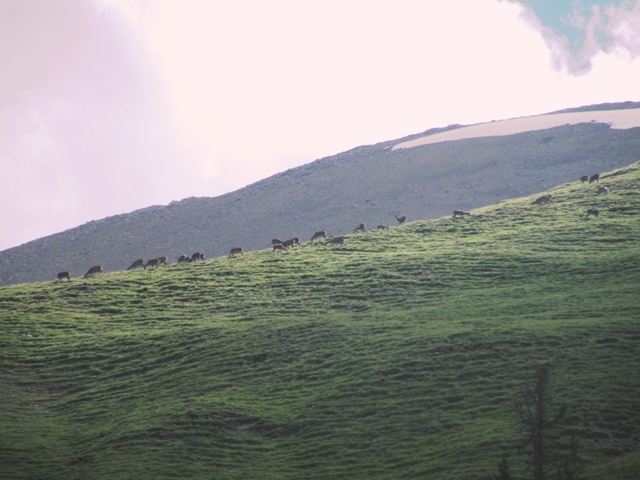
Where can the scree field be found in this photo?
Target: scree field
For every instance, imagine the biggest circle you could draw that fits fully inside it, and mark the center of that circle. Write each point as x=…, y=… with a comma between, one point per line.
x=397, y=355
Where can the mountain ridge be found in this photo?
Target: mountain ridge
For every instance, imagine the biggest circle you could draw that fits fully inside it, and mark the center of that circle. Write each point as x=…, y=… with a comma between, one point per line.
x=368, y=184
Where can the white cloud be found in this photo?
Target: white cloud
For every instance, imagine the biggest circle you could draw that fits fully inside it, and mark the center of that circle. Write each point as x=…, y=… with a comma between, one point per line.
x=610, y=29
x=621, y=24
x=264, y=86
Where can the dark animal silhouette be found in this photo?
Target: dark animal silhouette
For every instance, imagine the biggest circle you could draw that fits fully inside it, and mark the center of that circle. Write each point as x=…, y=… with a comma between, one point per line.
x=138, y=263
x=584, y=178
x=152, y=263
x=460, y=213
x=360, y=228
x=279, y=246
x=234, y=251
x=401, y=220
x=593, y=211
x=594, y=178
x=603, y=190
x=92, y=270
x=197, y=257
x=63, y=275
x=275, y=241
x=320, y=234
x=184, y=258
x=335, y=241
x=382, y=227
x=543, y=199
x=156, y=262
x=291, y=242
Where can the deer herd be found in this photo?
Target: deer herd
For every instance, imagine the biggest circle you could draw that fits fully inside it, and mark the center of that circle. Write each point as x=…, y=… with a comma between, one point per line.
x=602, y=190
x=276, y=244
x=280, y=245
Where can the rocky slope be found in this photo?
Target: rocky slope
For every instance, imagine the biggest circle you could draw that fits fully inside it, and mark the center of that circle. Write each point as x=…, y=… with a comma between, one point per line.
x=369, y=184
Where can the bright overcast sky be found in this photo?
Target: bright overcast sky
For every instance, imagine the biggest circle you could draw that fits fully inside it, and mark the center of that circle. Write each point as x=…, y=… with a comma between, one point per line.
x=107, y=106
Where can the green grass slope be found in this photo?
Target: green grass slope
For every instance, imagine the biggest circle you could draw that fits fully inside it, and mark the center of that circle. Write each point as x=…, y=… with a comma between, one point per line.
x=398, y=355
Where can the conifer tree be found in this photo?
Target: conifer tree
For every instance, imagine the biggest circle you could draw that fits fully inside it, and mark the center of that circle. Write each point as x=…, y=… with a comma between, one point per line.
x=540, y=419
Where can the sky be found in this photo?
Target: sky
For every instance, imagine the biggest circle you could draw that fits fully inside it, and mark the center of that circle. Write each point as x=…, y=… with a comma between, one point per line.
x=109, y=106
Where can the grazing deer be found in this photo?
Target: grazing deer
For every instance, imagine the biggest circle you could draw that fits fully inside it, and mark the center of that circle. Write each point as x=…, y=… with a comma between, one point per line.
x=543, y=199
x=184, y=258
x=382, y=227
x=401, y=220
x=151, y=263
x=291, y=242
x=460, y=213
x=603, y=190
x=138, y=263
x=593, y=211
x=163, y=261
x=234, y=251
x=197, y=257
x=360, y=228
x=584, y=178
x=275, y=241
x=92, y=270
x=594, y=178
x=156, y=262
x=320, y=234
x=279, y=246
x=335, y=241
x=63, y=275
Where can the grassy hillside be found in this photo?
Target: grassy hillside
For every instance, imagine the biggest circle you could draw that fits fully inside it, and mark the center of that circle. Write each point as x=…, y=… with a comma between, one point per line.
x=398, y=355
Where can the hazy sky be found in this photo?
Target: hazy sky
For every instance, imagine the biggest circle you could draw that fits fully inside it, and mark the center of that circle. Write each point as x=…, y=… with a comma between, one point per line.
x=107, y=106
